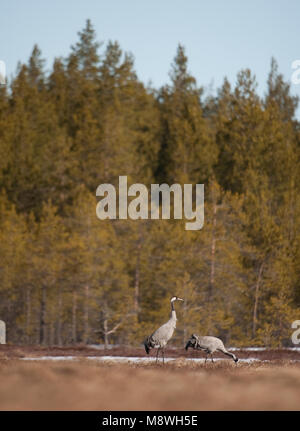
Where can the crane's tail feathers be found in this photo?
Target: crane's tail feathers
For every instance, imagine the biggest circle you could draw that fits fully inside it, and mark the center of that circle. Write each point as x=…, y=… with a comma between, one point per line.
x=148, y=344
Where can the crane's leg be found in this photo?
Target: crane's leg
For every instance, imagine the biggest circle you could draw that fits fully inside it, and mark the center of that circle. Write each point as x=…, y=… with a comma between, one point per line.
x=212, y=359
x=206, y=358
x=157, y=355
x=163, y=352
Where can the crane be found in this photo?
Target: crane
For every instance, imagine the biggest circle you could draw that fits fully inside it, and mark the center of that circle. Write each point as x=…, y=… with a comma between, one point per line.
x=209, y=345
x=159, y=339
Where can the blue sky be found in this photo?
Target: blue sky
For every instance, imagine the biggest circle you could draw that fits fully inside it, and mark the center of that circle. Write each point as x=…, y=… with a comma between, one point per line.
x=220, y=37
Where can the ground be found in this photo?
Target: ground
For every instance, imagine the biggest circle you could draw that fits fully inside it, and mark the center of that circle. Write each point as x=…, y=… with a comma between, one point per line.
x=271, y=382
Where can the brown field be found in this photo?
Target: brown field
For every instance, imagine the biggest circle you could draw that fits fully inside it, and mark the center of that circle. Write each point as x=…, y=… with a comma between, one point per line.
x=177, y=385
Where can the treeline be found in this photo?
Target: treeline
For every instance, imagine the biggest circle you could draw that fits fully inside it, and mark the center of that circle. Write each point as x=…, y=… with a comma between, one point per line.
x=67, y=277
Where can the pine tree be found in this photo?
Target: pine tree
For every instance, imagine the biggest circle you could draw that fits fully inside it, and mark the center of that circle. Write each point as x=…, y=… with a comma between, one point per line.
x=188, y=150
x=279, y=94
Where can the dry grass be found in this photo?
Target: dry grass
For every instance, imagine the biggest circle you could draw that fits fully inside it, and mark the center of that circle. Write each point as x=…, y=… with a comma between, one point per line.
x=10, y=351
x=86, y=385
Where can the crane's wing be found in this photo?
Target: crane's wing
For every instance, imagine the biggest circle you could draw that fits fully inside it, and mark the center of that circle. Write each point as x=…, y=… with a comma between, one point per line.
x=164, y=333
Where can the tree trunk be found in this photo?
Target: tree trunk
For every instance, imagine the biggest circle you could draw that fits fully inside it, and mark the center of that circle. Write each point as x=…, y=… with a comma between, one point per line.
x=52, y=332
x=37, y=327
x=137, y=280
x=43, y=328
x=256, y=298
x=74, y=317
x=105, y=331
x=212, y=254
x=185, y=313
x=28, y=314
x=59, y=316
x=86, y=315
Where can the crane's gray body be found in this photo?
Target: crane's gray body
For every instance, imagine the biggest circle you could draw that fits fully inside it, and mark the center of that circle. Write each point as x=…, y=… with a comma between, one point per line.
x=164, y=333
x=209, y=345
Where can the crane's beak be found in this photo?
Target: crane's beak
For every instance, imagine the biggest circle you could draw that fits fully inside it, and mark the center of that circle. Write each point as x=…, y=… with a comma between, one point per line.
x=180, y=299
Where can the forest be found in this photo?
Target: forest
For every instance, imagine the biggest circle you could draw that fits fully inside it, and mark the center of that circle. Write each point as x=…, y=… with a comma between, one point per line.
x=67, y=277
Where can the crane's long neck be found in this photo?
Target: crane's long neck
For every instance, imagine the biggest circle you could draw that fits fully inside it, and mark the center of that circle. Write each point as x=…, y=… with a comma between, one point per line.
x=173, y=312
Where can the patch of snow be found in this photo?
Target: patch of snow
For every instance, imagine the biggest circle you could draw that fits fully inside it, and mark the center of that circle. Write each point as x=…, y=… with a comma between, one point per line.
x=102, y=346
x=51, y=358
x=124, y=359
x=248, y=349
x=261, y=349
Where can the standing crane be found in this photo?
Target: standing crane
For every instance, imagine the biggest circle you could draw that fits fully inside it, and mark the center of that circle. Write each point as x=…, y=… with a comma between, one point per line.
x=209, y=345
x=159, y=339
